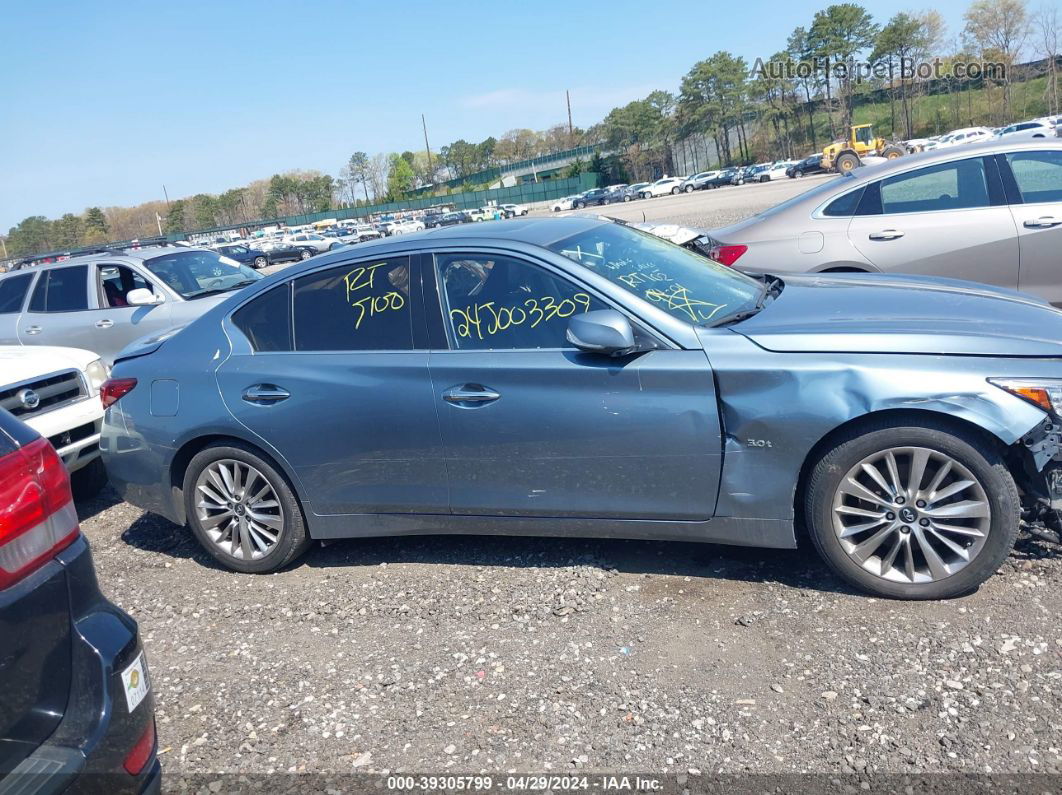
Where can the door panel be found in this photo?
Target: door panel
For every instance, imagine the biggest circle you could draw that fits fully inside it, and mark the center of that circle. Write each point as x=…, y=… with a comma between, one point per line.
x=337, y=388
x=577, y=434
x=942, y=220
x=359, y=429
x=1038, y=178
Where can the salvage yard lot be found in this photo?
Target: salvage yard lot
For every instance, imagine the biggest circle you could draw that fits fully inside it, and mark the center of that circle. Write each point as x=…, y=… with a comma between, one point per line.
x=495, y=654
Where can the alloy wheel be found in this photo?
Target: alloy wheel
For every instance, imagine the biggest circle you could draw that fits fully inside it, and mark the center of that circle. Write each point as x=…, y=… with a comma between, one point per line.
x=911, y=515
x=238, y=509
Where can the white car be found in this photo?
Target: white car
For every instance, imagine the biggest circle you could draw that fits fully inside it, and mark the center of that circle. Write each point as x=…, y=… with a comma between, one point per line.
x=662, y=187
x=56, y=391
x=776, y=170
x=967, y=135
x=1027, y=130
x=406, y=226
x=564, y=204
x=514, y=210
x=318, y=243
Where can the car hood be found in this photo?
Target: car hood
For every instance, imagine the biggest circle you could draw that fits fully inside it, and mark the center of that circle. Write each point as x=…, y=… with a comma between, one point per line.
x=870, y=313
x=20, y=363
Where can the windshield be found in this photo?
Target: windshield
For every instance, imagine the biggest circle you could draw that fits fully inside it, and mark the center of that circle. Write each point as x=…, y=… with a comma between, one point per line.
x=684, y=284
x=193, y=273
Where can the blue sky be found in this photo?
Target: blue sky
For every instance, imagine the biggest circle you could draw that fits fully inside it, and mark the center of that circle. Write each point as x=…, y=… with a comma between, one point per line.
x=104, y=103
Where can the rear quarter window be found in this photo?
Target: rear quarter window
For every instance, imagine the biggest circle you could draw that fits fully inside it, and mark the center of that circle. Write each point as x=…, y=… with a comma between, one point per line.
x=266, y=320
x=13, y=292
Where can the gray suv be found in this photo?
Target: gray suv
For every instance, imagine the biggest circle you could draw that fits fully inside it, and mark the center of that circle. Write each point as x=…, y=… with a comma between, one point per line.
x=103, y=301
x=972, y=212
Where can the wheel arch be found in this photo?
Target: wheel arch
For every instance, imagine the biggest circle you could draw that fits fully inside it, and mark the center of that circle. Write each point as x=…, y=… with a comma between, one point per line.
x=955, y=419
x=191, y=447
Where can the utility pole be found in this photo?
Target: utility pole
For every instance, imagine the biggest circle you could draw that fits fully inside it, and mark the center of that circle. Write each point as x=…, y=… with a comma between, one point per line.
x=571, y=131
x=424, y=124
x=164, y=193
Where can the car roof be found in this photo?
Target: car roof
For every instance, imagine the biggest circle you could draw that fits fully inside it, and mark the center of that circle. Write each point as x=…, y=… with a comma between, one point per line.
x=112, y=255
x=532, y=231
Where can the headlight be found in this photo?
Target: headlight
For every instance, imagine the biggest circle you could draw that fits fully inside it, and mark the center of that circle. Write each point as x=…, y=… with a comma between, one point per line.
x=96, y=372
x=1044, y=393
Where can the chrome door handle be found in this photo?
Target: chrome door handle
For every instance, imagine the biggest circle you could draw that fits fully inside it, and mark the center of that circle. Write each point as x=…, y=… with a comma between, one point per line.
x=104, y=323
x=1043, y=222
x=473, y=394
x=32, y=329
x=265, y=394
x=886, y=234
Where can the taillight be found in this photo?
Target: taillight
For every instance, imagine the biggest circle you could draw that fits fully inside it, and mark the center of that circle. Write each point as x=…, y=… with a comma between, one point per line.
x=37, y=515
x=140, y=754
x=115, y=388
x=727, y=255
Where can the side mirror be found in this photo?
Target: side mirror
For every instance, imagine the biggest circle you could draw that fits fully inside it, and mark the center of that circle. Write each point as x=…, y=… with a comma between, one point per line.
x=141, y=296
x=602, y=331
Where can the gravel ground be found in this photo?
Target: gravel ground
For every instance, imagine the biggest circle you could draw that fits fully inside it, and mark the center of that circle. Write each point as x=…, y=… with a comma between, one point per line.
x=487, y=654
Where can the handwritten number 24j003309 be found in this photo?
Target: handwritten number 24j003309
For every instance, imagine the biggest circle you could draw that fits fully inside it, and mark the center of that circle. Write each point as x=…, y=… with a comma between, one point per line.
x=362, y=279
x=487, y=319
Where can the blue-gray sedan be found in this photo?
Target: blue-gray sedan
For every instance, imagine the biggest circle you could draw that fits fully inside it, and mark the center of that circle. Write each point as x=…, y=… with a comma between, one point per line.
x=575, y=376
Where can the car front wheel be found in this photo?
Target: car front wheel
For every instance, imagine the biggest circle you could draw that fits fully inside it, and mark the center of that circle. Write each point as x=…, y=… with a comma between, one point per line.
x=305, y=254
x=242, y=510
x=260, y=262
x=921, y=511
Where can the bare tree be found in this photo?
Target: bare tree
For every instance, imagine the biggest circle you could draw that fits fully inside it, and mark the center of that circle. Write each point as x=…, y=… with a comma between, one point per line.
x=998, y=29
x=1047, y=24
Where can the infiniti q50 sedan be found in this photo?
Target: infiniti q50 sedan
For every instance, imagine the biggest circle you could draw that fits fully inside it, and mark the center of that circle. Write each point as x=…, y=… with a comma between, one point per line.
x=577, y=377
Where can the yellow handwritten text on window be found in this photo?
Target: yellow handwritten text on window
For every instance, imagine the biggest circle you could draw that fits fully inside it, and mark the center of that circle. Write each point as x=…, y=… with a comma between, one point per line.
x=487, y=319
x=361, y=281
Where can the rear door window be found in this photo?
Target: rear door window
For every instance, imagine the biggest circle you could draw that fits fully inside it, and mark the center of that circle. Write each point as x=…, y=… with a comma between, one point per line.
x=960, y=185
x=1038, y=175
x=355, y=307
x=13, y=292
x=61, y=290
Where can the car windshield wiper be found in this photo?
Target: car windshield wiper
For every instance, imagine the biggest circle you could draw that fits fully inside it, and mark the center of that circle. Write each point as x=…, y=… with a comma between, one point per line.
x=772, y=287
x=217, y=290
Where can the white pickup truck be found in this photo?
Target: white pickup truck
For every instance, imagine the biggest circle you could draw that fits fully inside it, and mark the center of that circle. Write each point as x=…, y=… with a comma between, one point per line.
x=56, y=391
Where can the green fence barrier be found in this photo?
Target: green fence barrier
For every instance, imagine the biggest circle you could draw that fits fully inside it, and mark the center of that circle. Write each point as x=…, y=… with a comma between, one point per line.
x=528, y=193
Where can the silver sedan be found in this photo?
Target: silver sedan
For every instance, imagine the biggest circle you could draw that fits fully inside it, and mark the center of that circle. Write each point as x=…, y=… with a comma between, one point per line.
x=973, y=212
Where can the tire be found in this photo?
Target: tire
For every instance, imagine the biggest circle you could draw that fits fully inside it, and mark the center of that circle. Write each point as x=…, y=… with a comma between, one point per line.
x=847, y=162
x=305, y=254
x=798, y=174
x=626, y=198
x=688, y=189
x=971, y=459
x=764, y=179
x=291, y=538
x=88, y=481
x=579, y=205
x=675, y=191
x=260, y=262
x=892, y=151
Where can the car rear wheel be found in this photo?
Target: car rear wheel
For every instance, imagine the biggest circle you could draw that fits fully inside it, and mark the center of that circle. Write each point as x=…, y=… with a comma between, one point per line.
x=242, y=510
x=260, y=262
x=920, y=511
